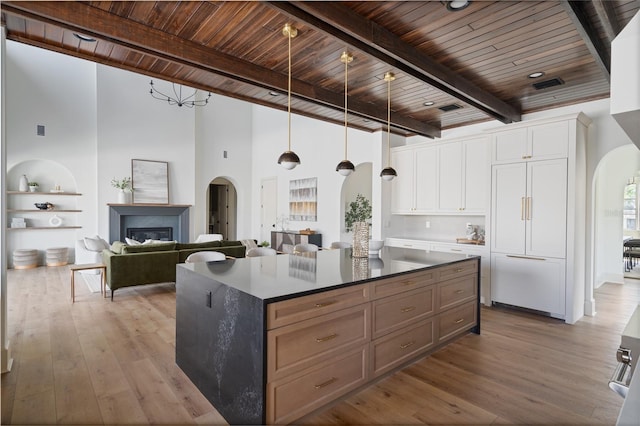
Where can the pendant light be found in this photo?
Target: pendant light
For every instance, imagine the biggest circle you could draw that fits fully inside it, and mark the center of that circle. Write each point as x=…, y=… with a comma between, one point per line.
x=289, y=159
x=388, y=173
x=345, y=167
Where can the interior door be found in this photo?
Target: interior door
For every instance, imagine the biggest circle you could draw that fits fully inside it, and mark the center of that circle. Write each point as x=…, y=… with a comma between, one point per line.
x=268, y=207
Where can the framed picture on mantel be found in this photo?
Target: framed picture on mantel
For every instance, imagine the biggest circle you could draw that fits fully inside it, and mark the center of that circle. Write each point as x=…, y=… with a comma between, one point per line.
x=150, y=181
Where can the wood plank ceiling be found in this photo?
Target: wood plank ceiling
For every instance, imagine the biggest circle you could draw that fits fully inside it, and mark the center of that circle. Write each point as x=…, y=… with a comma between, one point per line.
x=477, y=58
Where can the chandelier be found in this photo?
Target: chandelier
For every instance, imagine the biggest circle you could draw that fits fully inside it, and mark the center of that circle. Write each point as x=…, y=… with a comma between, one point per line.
x=177, y=98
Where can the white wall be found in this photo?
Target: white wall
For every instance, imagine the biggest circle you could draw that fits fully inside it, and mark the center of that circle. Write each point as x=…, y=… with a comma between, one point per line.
x=64, y=102
x=320, y=146
x=133, y=125
x=224, y=125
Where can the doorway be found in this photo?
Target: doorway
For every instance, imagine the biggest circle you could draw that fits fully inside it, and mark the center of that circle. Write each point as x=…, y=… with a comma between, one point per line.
x=222, y=209
x=268, y=207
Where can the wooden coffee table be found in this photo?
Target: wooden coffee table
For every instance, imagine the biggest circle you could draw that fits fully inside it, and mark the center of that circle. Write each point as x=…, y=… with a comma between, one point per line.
x=83, y=267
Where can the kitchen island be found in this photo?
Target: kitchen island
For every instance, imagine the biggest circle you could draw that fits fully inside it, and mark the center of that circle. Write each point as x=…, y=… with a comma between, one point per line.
x=269, y=339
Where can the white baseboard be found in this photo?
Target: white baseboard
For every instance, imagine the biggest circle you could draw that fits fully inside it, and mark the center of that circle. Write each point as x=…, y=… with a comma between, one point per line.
x=609, y=278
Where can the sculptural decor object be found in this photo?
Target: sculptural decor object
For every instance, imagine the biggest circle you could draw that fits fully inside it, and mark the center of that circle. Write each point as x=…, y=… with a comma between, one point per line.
x=44, y=206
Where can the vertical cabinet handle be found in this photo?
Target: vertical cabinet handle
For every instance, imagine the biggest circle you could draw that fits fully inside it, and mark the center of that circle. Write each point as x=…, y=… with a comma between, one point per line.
x=528, y=208
x=522, y=208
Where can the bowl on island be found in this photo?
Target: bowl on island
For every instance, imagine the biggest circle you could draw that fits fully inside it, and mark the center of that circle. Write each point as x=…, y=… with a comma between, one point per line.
x=375, y=246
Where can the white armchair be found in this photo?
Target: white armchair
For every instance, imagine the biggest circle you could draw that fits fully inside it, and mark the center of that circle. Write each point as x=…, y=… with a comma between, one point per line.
x=89, y=250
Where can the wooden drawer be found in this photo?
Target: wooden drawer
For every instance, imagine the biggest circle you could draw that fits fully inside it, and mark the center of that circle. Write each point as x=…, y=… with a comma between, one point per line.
x=456, y=320
x=457, y=270
x=290, y=398
x=406, y=282
x=393, y=349
x=305, y=307
x=392, y=313
x=457, y=291
x=305, y=344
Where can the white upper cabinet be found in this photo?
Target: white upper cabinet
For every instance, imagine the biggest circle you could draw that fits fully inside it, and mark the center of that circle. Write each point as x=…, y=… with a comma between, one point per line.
x=444, y=178
x=463, y=176
x=403, y=199
x=541, y=142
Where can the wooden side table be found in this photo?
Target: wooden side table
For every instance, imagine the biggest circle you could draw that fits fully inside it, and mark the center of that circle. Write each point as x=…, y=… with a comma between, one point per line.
x=85, y=266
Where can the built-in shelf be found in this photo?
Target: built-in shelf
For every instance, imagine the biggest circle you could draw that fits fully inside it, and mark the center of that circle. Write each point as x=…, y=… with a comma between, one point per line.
x=41, y=211
x=41, y=193
x=43, y=227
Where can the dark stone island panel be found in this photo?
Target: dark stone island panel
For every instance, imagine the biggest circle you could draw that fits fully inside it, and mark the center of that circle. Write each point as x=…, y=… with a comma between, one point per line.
x=219, y=345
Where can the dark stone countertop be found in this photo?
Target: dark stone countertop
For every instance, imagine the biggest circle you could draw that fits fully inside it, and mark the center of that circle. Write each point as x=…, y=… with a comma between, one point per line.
x=273, y=278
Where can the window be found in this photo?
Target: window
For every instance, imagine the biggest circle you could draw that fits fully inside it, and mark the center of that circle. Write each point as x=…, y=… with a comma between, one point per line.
x=630, y=208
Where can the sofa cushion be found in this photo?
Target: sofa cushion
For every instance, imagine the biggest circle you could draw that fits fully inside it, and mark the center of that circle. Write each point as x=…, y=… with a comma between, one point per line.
x=95, y=243
x=227, y=243
x=117, y=247
x=132, y=242
x=149, y=248
x=190, y=246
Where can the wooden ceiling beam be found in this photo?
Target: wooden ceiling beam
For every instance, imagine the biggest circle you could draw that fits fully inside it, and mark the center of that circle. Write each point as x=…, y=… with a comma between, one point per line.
x=607, y=16
x=578, y=15
x=365, y=35
x=94, y=22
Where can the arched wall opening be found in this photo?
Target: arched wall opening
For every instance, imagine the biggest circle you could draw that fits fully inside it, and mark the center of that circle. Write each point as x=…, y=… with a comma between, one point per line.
x=222, y=208
x=358, y=182
x=610, y=178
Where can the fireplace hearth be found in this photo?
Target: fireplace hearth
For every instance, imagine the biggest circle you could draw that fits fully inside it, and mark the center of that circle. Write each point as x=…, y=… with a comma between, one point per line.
x=143, y=234
x=150, y=219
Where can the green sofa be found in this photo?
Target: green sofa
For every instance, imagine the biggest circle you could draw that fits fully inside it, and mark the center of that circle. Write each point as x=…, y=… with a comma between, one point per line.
x=131, y=265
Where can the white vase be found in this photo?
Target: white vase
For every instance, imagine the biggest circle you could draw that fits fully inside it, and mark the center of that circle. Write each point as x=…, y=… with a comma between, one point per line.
x=122, y=197
x=23, y=184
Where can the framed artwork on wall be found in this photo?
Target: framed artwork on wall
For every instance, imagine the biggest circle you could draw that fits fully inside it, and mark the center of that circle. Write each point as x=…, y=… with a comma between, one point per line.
x=150, y=181
x=303, y=204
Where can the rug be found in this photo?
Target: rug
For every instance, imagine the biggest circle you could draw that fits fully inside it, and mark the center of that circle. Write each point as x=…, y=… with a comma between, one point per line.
x=93, y=282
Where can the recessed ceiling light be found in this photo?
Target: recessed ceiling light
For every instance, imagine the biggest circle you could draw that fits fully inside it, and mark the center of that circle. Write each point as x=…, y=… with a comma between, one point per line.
x=456, y=5
x=428, y=103
x=536, y=74
x=84, y=38
x=272, y=93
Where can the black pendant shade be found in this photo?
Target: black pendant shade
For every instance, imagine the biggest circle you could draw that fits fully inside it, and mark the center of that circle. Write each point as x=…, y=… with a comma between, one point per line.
x=289, y=160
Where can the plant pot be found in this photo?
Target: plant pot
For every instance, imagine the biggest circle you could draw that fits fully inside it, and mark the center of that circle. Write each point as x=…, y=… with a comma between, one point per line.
x=33, y=188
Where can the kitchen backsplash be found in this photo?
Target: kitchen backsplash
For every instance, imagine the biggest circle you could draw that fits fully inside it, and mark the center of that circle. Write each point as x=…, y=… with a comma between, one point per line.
x=441, y=228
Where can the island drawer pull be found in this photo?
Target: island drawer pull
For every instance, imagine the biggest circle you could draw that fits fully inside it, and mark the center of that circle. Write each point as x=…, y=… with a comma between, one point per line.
x=459, y=269
x=325, y=338
x=458, y=321
x=327, y=383
x=459, y=291
x=323, y=304
x=406, y=345
x=456, y=250
x=407, y=309
x=408, y=282
x=525, y=257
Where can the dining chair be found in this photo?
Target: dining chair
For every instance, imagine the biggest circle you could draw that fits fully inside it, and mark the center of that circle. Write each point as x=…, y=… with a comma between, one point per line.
x=205, y=256
x=261, y=251
x=304, y=248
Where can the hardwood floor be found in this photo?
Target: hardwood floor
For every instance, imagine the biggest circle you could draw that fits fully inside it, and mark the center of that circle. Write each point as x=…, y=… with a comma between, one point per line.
x=98, y=362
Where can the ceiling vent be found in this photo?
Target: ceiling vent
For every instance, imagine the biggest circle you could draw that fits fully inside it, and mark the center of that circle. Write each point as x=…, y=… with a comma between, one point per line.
x=547, y=83
x=450, y=107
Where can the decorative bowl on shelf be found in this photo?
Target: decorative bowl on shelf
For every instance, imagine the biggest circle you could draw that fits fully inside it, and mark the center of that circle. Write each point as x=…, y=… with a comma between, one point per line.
x=44, y=206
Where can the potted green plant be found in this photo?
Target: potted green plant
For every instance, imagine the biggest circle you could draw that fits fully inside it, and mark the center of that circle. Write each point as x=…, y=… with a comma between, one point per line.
x=124, y=185
x=356, y=219
x=33, y=186
x=359, y=211
x=264, y=244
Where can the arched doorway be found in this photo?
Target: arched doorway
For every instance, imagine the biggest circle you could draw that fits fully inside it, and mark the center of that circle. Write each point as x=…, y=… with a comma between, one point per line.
x=222, y=208
x=359, y=182
x=610, y=178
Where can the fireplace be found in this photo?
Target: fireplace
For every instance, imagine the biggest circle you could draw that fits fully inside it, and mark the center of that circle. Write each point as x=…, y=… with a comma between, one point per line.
x=143, y=234
x=149, y=219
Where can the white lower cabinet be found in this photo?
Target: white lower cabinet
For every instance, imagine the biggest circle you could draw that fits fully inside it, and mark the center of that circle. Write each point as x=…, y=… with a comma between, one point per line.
x=529, y=282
